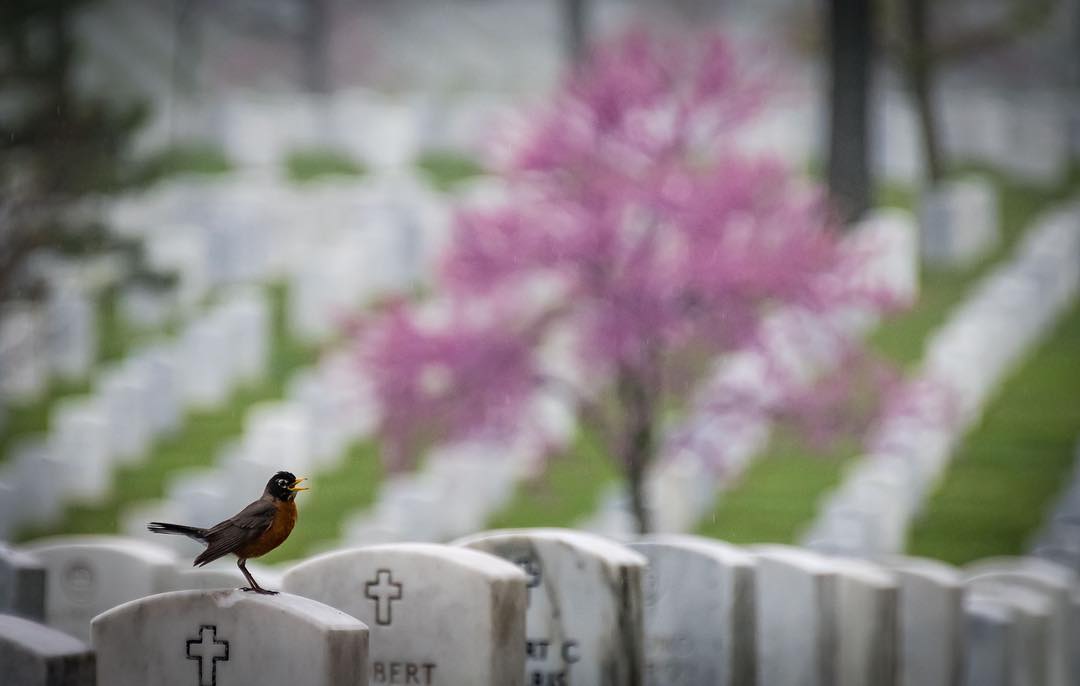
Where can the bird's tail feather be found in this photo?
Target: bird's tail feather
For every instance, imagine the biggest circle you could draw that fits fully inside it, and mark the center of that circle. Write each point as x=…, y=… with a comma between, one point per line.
x=166, y=528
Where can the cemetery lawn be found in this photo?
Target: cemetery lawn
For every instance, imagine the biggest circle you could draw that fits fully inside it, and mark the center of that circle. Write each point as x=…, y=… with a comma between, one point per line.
x=190, y=158
x=1011, y=465
x=567, y=491
x=447, y=169
x=198, y=441
x=336, y=492
x=777, y=496
x=303, y=166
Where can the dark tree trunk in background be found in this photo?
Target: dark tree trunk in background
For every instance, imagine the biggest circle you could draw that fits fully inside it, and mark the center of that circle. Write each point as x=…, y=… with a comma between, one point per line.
x=315, y=46
x=638, y=440
x=920, y=69
x=575, y=28
x=850, y=45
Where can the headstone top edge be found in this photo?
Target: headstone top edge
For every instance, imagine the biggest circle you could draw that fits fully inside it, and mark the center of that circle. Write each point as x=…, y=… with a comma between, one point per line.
x=489, y=565
x=310, y=610
x=150, y=552
x=41, y=639
x=614, y=552
x=722, y=551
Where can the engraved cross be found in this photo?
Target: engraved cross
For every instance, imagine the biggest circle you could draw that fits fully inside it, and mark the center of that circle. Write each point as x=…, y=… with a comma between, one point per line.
x=207, y=649
x=383, y=590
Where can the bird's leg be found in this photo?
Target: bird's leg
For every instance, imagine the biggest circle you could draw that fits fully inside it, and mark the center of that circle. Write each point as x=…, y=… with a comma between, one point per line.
x=242, y=564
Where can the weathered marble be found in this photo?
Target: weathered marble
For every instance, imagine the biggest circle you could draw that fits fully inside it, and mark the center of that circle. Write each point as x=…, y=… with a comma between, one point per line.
x=1048, y=579
x=931, y=621
x=438, y=614
x=867, y=616
x=584, y=623
x=1016, y=642
x=22, y=584
x=32, y=654
x=87, y=575
x=796, y=627
x=218, y=638
x=699, y=611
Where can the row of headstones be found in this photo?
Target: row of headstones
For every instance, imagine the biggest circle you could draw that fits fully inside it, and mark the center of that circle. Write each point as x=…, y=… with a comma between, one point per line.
x=712, y=446
x=133, y=403
x=1005, y=316
x=56, y=340
x=1059, y=537
x=1030, y=138
x=325, y=409
x=337, y=244
x=379, y=130
x=548, y=606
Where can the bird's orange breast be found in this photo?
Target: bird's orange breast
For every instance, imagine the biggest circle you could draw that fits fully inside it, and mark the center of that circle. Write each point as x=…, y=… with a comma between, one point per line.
x=275, y=534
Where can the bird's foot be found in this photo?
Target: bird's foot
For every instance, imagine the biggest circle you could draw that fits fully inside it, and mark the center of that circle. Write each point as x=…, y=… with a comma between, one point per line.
x=259, y=590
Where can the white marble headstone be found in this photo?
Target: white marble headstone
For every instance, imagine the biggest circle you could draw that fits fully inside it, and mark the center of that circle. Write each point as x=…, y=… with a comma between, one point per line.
x=438, y=614
x=32, y=654
x=796, y=628
x=223, y=638
x=931, y=621
x=1050, y=580
x=584, y=623
x=22, y=584
x=699, y=611
x=867, y=615
x=87, y=575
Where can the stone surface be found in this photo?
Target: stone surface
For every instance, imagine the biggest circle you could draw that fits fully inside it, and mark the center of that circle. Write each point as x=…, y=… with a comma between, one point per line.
x=1055, y=583
x=218, y=638
x=988, y=636
x=699, y=611
x=867, y=617
x=1019, y=641
x=32, y=654
x=931, y=621
x=959, y=222
x=584, y=623
x=796, y=631
x=87, y=575
x=22, y=584
x=438, y=614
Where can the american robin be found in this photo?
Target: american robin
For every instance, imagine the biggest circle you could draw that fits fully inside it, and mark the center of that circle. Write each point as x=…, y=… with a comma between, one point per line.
x=256, y=530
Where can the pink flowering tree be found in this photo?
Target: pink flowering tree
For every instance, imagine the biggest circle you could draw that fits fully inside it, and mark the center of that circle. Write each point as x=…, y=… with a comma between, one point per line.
x=632, y=223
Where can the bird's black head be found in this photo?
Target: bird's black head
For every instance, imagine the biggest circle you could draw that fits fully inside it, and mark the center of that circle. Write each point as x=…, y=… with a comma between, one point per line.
x=284, y=486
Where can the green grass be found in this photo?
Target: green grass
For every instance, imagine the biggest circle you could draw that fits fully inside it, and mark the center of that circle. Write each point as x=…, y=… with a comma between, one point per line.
x=334, y=493
x=189, y=158
x=778, y=495
x=196, y=444
x=567, y=491
x=447, y=169
x=994, y=495
x=303, y=166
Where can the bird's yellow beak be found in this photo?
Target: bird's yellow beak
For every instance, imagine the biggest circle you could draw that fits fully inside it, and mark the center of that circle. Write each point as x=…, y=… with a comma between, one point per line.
x=297, y=487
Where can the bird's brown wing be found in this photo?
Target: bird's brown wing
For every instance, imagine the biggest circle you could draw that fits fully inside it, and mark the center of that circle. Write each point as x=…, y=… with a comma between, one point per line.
x=234, y=532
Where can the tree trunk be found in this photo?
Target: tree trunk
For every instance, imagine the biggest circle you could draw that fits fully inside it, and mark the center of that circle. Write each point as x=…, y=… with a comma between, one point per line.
x=315, y=46
x=576, y=29
x=920, y=65
x=850, y=24
x=638, y=441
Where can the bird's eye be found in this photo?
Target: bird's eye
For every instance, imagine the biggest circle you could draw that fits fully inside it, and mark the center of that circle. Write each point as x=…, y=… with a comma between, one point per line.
x=281, y=482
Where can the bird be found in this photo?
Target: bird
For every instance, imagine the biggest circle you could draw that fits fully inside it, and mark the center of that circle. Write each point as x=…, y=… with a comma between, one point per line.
x=254, y=531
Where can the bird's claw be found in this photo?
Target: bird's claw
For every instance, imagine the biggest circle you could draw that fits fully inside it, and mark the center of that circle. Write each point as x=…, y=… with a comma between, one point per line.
x=261, y=591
